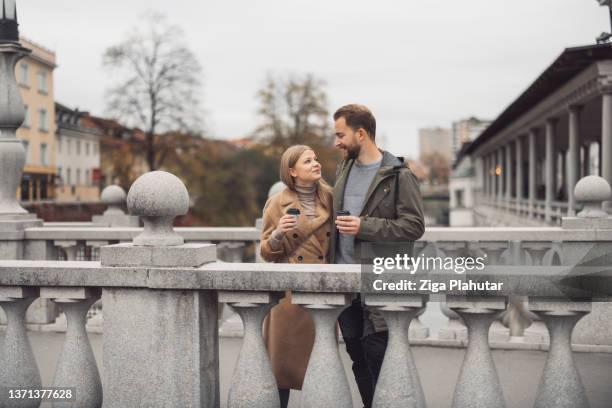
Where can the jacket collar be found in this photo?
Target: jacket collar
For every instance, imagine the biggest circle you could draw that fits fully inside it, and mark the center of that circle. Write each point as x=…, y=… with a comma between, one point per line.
x=389, y=165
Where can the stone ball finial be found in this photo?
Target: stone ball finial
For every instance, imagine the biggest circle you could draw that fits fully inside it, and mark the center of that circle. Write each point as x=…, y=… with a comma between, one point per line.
x=276, y=187
x=114, y=196
x=158, y=197
x=592, y=191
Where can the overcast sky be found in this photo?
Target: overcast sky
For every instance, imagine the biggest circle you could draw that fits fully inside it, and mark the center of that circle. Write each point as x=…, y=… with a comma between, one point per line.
x=414, y=63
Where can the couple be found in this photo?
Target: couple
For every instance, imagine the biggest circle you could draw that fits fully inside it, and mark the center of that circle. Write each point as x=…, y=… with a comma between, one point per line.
x=383, y=199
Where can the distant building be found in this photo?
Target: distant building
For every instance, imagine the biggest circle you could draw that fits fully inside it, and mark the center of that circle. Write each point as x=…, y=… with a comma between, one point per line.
x=77, y=157
x=122, y=151
x=465, y=131
x=434, y=140
x=34, y=75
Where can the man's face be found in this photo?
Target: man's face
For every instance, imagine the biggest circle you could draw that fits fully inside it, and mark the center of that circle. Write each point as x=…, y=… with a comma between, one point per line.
x=347, y=139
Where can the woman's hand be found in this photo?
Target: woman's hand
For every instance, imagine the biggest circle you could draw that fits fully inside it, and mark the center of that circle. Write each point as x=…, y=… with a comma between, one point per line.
x=287, y=223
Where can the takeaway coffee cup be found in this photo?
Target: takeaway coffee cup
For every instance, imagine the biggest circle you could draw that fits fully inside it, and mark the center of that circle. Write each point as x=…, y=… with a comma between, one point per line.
x=295, y=212
x=342, y=213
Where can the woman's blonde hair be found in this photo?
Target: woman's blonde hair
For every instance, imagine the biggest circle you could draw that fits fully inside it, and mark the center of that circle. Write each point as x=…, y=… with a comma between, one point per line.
x=288, y=161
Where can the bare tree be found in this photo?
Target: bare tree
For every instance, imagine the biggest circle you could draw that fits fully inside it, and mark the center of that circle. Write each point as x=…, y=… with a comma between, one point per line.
x=294, y=111
x=158, y=83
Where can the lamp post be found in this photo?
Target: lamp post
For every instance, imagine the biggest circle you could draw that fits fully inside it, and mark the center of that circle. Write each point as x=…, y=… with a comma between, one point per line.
x=605, y=37
x=12, y=112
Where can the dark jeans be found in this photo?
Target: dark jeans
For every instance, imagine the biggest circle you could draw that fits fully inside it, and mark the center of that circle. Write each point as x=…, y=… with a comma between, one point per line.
x=366, y=352
x=283, y=394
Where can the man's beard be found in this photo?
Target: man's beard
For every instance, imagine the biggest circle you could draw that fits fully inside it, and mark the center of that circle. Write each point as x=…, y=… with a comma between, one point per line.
x=352, y=152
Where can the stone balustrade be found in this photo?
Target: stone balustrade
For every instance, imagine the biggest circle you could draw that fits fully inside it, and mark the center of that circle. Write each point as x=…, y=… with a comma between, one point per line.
x=166, y=317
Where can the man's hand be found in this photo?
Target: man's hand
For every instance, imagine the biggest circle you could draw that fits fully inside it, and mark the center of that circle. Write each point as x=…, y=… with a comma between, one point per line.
x=348, y=224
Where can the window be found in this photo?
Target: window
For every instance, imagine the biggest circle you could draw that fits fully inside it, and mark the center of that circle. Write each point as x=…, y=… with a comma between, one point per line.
x=42, y=120
x=87, y=148
x=26, y=121
x=59, y=144
x=68, y=176
x=87, y=177
x=43, y=154
x=42, y=82
x=60, y=176
x=26, y=146
x=69, y=142
x=23, y=74
x=95, y=148
x=78, y=147
x=78, y=177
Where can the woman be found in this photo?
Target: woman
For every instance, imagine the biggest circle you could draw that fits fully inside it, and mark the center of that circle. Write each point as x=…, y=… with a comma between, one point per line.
x=285, y=238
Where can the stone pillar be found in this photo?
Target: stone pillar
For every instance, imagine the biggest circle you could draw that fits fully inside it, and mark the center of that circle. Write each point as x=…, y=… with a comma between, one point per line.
x=13, y=218
x=253, y=383
x=478, y=383
x=519, y=173
x=160, y=346
x=76, y=366
x=508, y=170
x=532, y=172
x=550, y=168
x=560, y=385
x=18, y=369
x=325, y=383
x=114, y=197
x=606, y=142
x=500, y=178
x=574, y=157
x=398, y=383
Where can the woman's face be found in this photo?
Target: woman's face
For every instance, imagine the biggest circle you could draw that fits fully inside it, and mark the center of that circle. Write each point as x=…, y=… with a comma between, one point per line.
x=307, y=169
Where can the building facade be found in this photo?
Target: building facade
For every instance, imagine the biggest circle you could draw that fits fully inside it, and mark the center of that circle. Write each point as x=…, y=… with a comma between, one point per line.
x=34, y=74
x=77, y=157
x=434, y=140
x=528, y=161
x=464, y=131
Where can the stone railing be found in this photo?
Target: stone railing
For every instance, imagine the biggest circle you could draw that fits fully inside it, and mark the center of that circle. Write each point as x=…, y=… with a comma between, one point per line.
x=523, y=208
x=161, y=298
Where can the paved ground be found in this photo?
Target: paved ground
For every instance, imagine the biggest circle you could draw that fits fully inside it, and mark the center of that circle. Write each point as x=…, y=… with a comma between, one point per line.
x=438, y=368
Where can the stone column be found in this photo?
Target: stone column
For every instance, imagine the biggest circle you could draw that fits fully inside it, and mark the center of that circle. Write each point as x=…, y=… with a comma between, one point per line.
x=508, y=172
x=560, y=385
x=114, y=197
x=325, y=383
x=398, y=383
x=18, y=369
x=519, y=173
x=500, y=177
x=574, y=157
x=160, y=346
x=76, y=366
x=606, y=142
x=532, y=172
x=550, y=167
x=253, y=383
x=478, y=383
x=13, y=218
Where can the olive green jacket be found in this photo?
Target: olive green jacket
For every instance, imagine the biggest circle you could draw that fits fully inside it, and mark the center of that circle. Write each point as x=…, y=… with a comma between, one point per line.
x=393, y=206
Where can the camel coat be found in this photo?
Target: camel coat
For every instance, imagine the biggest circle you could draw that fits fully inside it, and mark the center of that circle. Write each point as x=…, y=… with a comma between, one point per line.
x=289, y=329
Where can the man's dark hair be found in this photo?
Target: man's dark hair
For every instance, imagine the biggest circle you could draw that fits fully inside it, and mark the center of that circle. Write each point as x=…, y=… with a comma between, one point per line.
x=356, y=117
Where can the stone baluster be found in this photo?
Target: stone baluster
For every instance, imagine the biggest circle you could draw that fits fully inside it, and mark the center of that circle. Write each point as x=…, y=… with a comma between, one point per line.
x=325, y=383
x=69, y=247
x=253, y=384
x=95, y=246
x=478, y=383
x=560, y=385
x=76, y=367
x=18, y=369
x=398, y=383
x=492, y=251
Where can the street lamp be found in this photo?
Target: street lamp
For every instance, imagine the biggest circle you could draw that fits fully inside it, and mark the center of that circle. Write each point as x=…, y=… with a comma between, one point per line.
x=605, y=37
x=12, y=112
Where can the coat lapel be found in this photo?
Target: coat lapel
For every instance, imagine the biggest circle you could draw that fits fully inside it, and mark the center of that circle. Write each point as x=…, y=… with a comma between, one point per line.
x=306, y=226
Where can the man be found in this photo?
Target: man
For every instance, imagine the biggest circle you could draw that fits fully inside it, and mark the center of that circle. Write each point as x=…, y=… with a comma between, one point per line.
x=385, y=205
